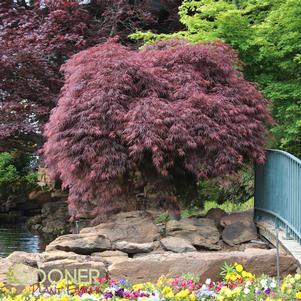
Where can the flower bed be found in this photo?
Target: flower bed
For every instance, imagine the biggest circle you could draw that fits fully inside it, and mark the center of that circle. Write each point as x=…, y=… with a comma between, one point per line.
x=237, y=284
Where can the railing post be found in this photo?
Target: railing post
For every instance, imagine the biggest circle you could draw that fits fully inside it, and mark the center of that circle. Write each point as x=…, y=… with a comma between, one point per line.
x=277, y=256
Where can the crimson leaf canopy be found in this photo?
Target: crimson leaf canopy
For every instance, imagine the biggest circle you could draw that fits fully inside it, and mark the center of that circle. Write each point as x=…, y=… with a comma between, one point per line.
x=172, y=105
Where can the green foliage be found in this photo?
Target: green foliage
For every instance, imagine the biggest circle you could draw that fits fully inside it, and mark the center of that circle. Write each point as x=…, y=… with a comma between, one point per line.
x=16, y=178
x=190, y=212
x=266, y=34
x=189, y=276
x=237, y=188
x=226, y=269
x=162, y=218
x=229, y=206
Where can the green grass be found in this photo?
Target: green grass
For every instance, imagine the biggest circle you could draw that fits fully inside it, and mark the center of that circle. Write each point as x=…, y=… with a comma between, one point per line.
x=228, y=206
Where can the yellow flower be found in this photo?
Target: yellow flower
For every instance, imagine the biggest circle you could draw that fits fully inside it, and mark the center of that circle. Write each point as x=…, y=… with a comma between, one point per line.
x=247, y=275
x=166, y=290
x=64, y=298
x=229, y=293
x=161, y=280
x=182, y=294
x=297, y=277
x=236, y=291
x=292, y=281
x=192, y=297
x=170, y=295
x=298, y=296
x=61, y=284
x=239, y=268
x=232, y=276
x=139, y=286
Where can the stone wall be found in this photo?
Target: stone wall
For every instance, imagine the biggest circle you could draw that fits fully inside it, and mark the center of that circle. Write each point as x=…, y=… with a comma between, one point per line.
x=132, y=246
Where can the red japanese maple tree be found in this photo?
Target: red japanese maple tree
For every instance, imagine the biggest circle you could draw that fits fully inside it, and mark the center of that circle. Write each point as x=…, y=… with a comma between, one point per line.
x=131, y=124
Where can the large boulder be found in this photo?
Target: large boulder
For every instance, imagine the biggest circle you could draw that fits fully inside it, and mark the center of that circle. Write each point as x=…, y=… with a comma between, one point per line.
x=106, y=254
x=244, y=217
x=200, y=232
x=52, y=220
x=206, y=264
x=135, y=227
x=110, y=257
x=84, y=244
x=41, y=197
x=81, y=269
x=30, y=259
x=134, y=248
x=239, y=232
x=15, y=273
x=55, y=255
x=55, y=265
x=216, y=214
x=177, y=245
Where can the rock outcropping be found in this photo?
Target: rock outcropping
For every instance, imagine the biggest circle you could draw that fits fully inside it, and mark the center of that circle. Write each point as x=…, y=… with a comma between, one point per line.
x=131, y=246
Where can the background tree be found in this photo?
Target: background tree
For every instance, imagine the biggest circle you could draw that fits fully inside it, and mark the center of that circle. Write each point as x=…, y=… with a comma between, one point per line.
x=148, y=123
x=36, y=40
x=16, y=178
x=266, y=34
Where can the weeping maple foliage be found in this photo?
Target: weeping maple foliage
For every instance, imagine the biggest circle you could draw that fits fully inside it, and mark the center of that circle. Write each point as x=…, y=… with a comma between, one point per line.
x=133, y=123
x=37, y=37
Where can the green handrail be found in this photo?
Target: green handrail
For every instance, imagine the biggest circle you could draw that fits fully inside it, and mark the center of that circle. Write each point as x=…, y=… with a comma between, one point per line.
x=278, y=191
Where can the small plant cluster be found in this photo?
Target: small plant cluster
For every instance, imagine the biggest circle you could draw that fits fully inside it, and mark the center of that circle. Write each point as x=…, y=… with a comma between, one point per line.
x=237, y=285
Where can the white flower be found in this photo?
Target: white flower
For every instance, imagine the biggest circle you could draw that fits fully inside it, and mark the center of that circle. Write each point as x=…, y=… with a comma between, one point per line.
x=246, y=291
x=37, y=293
x=248, y=283
x=46, y=295
x=208, y=281
x=263, y=282
x=88, y=297
x=273, y=284
x=155, y=297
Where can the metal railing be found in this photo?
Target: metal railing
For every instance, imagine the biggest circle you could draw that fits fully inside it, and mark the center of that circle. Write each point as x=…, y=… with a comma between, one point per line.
x=278, y=192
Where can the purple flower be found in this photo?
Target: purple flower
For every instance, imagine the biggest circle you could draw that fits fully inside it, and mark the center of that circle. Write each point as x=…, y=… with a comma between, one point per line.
x=124, y=282
x=108, y=295
x=267, y=291
x=120, y=292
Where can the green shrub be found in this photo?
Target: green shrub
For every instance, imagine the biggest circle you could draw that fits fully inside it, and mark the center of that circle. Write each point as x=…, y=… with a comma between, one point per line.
x=16, y=176
x=229, y=206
